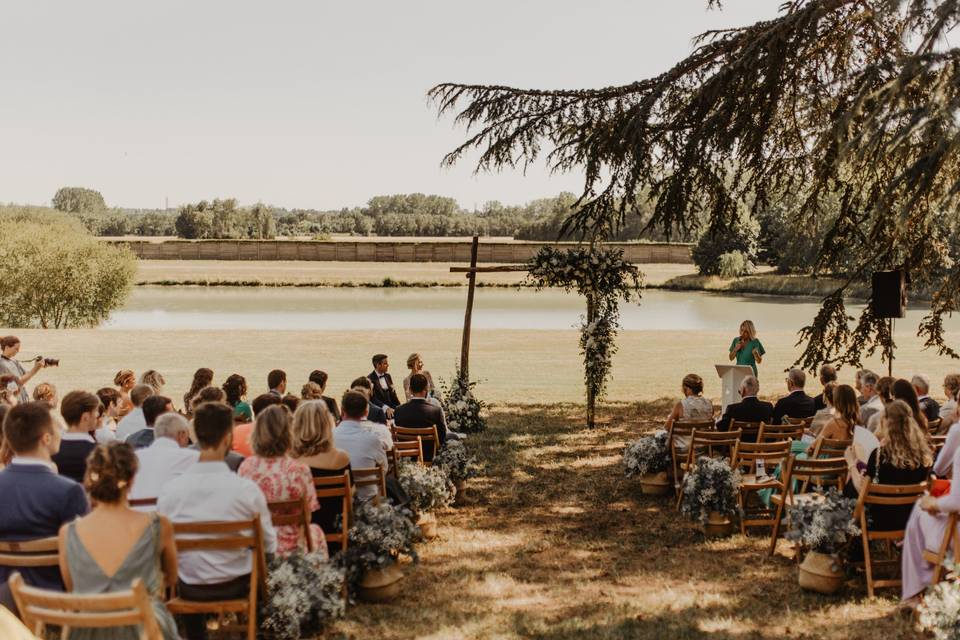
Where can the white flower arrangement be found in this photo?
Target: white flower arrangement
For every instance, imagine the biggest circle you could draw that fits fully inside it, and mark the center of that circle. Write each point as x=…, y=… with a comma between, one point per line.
x=429, y=488
x=710, y=486
x=649, y=454
x=456, y=461
x=825, y=526
x=379, y=534
x=304, y=596
x=462, y=409
x=940, y=611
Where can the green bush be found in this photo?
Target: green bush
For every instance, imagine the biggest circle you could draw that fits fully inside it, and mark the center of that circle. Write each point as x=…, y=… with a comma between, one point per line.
x=56, y=274
x=714, y=243
x=734, y=264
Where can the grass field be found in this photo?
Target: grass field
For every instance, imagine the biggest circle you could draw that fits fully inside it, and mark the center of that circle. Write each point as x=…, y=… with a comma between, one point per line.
x=555, y=543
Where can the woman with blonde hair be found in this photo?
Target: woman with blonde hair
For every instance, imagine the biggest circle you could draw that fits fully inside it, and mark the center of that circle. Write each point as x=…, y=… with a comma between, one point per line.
x=693, y=406
x=279, y=476
x=202, y=378
x=415, y=365
x=746, y=349
x=313, y=445
x=154, y=380
x=125, y=381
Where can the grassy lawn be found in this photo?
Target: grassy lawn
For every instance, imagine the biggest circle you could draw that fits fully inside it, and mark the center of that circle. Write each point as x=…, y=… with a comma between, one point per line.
x=556, y=543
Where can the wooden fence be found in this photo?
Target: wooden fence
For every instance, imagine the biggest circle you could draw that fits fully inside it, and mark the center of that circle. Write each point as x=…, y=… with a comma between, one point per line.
x=389, y=251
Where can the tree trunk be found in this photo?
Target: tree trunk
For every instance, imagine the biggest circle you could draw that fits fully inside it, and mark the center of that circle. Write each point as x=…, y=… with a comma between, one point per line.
x=591, y=396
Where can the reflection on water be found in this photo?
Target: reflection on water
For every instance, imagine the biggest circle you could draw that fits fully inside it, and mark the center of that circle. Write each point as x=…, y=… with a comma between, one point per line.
x=442, y=308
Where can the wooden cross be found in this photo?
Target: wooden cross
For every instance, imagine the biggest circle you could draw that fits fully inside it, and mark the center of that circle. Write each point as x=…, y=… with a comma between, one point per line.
x=472, y=272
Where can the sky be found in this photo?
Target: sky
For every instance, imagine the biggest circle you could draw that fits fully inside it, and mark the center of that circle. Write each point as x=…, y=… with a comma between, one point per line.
x=307, y=104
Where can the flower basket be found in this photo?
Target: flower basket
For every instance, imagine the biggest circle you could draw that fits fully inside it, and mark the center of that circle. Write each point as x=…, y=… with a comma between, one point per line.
x=461, y=498
x=305, y=595
x=429, y=488
x=821, y=572
x=649, y=458
x=380, y=585
x=825, y=526
x=655, y=484
x=709, y=495
x=380, y=533
x=428, y=525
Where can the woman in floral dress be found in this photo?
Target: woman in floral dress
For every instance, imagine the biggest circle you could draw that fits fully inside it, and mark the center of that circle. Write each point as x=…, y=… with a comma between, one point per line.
x=280, y=477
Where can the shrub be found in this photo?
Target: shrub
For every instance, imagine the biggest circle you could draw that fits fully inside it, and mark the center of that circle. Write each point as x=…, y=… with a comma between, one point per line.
x=56, y=274
x=734, y=264
x=649, y=454
x=714, y=243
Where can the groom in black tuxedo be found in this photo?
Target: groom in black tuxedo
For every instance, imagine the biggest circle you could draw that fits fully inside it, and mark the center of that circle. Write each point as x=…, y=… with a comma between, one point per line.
x=384, y=395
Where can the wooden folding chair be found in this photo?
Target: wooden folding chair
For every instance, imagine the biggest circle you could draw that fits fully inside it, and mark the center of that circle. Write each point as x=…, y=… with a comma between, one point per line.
x=222, y=536
x=428, y=436
x=42, y=552
x=951, y=539
x=773, y=454
x=678, y=441
x=825, y=471
x=831, y=448
x=937, y=442
x=781, y=432
x=337, y=487
x=888, y=495
x=412, y=449
x=714, y=443
x=933, y=426
x=69, y=611
x=806, y=422
x=293, y=513
x=392, y=462
x=749, y=431
x=370, y=477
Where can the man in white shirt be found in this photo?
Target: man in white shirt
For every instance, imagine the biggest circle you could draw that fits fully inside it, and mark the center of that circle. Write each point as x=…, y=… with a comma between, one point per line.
x=134, y=421
x=873, y=403
x=361, y=444
x=165, y=459
x=209, y=491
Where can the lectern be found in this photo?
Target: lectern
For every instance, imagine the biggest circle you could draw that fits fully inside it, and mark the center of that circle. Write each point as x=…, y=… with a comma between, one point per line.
x=731, y=375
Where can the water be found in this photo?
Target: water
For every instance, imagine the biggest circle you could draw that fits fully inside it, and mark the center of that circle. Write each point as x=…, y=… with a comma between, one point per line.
x=279, y=309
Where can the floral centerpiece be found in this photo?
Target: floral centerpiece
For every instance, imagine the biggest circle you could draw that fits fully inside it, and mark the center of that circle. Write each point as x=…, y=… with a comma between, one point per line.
x=462, y=409
x=649, y=458
x=825, y=526
x=304, y=596
x=379, y=535
x=940, y=611
x=429, y=488
x=710, y=494
x=458, y=464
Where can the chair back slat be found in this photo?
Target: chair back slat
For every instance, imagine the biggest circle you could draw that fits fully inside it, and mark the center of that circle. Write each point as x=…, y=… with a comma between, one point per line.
x=772, y=454
x=748, y=430
x=337, y=487
x=409, y=449
x=41, y=552
x=806, y=422
x=428, y=437
x=934, y=425
x=293, y=513
x=780, y=432
x=371, y=477
x=831, y=448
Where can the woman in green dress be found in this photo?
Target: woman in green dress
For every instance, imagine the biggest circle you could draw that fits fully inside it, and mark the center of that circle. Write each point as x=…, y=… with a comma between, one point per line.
x=746, y=348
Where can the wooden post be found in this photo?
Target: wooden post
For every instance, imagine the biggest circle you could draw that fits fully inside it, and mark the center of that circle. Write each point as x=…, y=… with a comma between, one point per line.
x=591, y=396
x=465, y=345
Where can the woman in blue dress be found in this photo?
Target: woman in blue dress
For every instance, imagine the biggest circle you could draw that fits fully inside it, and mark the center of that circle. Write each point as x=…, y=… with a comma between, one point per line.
x=746, y=348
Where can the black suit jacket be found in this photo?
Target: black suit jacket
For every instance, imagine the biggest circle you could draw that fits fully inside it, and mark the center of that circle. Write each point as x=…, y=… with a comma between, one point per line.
x=930, y=408
x=818, y=402
x=796, y=405
x=332, y=406
x=418, y=413
x=749, y=409
x=376, y=414
x=383, y=397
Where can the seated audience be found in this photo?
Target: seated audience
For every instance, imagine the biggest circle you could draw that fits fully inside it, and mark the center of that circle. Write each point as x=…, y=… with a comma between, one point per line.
x=383, y=393
x=824, y=415
x=418, y=413
x=109, y=413
x=242, y=432
x=47, y=394
x=871, y=401
x=167, y=458
x=279, y=476
x=202, y=377
x=903, y=457
x=236, y=389
x=948, y=410
x=903, y=390
x=828, y=374
x=797, y=404
x=693, y=406
x=105, y=551
x=361, y=445
x=858, y=385
x=311, y=391
x=209, y=492
x=320, y=378
x=277, y=382
x=154, y=380
x=885, y=391
x=749, y=409
x=35, y=501
x=375, y=413
x=415, y=365
x=313, y=446
x=80, y=411
x=134, y=420
x=846, y=416
x=929, y=406
x=125, y=381
x=213, y=394
x=290, y=401
x=153, y=408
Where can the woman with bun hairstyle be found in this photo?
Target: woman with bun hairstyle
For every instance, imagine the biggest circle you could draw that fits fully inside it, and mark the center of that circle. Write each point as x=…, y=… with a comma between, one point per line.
x=125, y=380
x=693, y=406
x=107, y=549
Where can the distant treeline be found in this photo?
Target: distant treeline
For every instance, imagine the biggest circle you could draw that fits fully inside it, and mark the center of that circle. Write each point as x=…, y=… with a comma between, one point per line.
x=414, y=214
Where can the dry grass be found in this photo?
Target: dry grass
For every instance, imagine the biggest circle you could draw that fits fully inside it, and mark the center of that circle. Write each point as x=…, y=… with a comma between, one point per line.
x=555, y=543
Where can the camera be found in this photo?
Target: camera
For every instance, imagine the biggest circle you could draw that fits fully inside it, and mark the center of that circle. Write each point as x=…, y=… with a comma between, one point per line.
x=50, y=362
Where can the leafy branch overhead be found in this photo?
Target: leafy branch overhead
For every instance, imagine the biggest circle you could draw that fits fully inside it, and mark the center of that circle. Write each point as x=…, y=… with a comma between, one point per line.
x=847, y=107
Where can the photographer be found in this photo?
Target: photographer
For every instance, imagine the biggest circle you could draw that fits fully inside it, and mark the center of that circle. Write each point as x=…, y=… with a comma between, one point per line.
x=10, y=346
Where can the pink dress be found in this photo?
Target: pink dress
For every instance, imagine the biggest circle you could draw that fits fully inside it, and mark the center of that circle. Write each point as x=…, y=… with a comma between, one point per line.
x=286, y=479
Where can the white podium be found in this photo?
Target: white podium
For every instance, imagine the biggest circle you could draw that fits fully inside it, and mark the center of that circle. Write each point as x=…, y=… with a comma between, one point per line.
x=731, y=375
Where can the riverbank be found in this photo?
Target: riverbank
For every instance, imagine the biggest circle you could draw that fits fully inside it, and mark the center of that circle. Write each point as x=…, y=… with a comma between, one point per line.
x=769, y=283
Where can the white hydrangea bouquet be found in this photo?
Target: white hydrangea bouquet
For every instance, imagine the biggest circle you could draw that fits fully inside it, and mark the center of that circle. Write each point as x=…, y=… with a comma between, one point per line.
x=462, y=409
x=429, y=488
x=710, y=487
x=825, y=526
x=305, y=595
x=379, y=535
x=456, y=462
x=647, y=455
x=940, y=611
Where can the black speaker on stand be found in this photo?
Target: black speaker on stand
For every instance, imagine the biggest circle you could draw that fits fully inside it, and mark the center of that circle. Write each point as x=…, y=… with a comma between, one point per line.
x=888, y=299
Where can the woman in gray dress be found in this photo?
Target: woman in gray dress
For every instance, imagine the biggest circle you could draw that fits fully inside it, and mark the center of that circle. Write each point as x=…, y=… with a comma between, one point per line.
x=107, y=549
